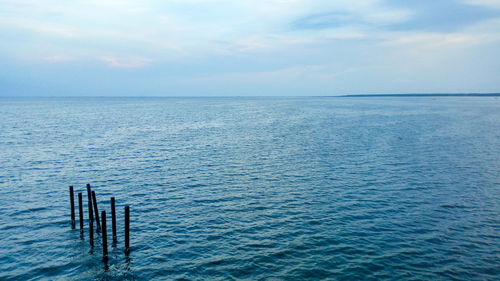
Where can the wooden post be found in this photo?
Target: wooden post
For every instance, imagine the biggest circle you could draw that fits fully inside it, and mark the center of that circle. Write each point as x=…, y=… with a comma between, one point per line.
x=127, y=222
x=91, y=234
x=104, y=237
x=80, y=208
x=113, y=219
x=91, y=217
x=96, y=211
x=72, y=200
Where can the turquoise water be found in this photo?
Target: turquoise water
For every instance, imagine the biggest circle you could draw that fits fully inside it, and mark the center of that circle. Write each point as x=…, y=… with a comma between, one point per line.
x=254, y=188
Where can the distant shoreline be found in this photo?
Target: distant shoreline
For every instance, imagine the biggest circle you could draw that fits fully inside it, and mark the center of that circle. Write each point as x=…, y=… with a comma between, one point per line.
x=339, y=96
x=421, y=95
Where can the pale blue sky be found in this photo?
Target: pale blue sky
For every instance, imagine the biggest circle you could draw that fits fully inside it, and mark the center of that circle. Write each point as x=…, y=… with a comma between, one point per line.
x=248, y=47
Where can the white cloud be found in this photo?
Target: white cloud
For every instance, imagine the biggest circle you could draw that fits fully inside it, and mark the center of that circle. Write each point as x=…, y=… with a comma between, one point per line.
x=60, y=58
x=304, y=72
x=126, y=62
x=244, y=40
x=40, y=27
x=488, y=3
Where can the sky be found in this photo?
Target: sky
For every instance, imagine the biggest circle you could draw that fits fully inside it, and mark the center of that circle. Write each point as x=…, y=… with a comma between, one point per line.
x=248, y=47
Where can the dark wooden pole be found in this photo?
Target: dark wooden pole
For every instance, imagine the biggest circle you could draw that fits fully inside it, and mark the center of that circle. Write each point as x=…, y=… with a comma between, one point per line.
x=96, y=211
x=104, y=237
x=127, y=221
x=80, y=208
x=89, y=193
x=113, y=219
x=91, y=234
x=91, y=217
x=72, y=200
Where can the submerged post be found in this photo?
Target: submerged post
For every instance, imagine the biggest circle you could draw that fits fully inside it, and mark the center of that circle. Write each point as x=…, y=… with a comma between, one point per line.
x=80, y=208
x=91, y=217
x=104, y=237
x=72, y=200
x=91, y=234
x=127, y=221
x=96, y=211
x=113, y=219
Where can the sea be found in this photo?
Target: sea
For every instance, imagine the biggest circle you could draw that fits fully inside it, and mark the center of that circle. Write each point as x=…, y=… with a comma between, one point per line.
x=253, y=188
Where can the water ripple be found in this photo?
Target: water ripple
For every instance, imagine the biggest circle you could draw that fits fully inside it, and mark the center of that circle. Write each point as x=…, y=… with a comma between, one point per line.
x=254, y=189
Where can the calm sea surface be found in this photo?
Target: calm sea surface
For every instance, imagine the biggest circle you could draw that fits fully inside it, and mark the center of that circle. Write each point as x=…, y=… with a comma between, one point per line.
x=254, y=188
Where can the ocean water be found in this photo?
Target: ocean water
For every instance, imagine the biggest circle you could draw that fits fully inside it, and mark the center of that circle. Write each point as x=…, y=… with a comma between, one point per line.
x=254, y=188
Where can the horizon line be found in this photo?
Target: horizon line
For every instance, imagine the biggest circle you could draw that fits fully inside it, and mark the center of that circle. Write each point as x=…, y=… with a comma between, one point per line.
x=295, y=96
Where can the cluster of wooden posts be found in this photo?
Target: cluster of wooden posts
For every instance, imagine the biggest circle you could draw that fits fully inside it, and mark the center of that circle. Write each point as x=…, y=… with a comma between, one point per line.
x=100, y=223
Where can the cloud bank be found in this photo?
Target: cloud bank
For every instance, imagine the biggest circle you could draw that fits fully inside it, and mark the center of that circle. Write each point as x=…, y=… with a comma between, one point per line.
x=272, y=47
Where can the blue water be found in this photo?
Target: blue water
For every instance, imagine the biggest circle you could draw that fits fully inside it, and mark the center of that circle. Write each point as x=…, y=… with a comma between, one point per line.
x=254, y=188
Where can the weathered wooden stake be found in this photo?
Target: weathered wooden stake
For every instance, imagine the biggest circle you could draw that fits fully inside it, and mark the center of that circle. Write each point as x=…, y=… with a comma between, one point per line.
x=96, y=211
x=91, y=234
x=104, y=237
x=91, y=217
x=72, y=200
x=127, y=221
x=80, y=208
x=113, y=219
